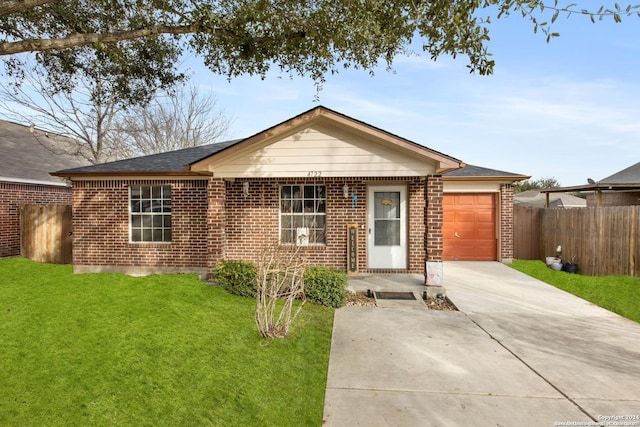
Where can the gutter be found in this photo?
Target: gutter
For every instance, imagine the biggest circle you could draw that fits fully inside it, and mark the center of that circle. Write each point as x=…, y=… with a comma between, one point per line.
x=33, y=181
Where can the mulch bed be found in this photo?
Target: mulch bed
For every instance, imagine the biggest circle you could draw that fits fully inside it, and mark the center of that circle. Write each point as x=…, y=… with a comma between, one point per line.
x=362, y=299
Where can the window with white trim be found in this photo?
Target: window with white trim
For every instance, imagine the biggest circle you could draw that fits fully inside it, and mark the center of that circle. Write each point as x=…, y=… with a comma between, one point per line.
x=150, y=213
x=303, y=209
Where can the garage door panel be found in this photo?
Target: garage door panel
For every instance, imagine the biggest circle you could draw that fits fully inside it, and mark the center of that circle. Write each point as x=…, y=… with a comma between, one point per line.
x=448, y=234
x=465, y=199
x=482, y=216
x=484, y=198
x=484, y=235
x=467, y=216
x=465, y=231
x=465, y=251
x=469, y=227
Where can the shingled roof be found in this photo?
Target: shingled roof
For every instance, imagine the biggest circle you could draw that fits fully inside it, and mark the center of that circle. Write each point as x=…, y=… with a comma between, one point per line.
x=534, y=198
x=178, y=162
x=469, y=171
x=166, y=163
x=28, y=155
x=630, y=175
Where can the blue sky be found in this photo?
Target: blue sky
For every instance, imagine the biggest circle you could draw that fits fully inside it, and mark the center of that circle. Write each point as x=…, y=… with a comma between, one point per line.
x=569, y=109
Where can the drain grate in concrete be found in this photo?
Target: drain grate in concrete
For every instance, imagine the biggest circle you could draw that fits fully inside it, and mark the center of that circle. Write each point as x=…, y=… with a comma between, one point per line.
x=395, y=295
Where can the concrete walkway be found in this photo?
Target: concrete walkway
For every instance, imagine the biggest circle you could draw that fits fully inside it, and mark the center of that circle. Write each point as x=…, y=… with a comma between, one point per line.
x=519, y=353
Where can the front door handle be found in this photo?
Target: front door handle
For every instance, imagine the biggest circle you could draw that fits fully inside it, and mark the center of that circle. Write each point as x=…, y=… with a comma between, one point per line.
x=455, y=234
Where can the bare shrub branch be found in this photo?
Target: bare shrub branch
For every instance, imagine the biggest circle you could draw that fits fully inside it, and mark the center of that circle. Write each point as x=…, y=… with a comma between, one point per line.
x=280, y=273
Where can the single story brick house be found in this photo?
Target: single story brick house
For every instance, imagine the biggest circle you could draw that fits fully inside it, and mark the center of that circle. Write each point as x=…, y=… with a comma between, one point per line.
x=355, y=196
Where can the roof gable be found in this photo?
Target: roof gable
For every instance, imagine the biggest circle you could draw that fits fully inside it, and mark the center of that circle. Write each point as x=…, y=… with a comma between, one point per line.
x=318, y=142
x=322, y=142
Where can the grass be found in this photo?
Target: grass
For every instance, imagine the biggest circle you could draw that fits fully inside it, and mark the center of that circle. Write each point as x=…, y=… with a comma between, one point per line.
x=108, y=349
x=620, y=294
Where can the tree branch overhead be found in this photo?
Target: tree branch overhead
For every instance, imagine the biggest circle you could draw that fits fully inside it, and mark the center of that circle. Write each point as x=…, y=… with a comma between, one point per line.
x=300, y=37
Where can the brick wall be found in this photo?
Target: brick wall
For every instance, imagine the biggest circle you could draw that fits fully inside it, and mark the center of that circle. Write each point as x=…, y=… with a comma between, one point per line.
x=14, y=195
x=253, y=221
x=506, y=222
x=417, y=225
x=214, y=220
x=101, y=225
x=614, y=199
x=433, y=218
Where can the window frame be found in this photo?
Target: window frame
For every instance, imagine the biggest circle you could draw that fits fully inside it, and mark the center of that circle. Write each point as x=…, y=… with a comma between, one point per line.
x=319, y=202
x=156, y=195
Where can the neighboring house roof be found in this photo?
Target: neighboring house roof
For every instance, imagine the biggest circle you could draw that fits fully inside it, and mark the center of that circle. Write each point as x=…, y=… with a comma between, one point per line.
x=527, y=194
x=28, y=155
x=625, y=180
x=253, y=151
x=630, y=175
x=534, y=198
x=472, y=171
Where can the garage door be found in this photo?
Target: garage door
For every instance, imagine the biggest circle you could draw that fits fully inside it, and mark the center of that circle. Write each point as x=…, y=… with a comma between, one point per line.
x=469, y=227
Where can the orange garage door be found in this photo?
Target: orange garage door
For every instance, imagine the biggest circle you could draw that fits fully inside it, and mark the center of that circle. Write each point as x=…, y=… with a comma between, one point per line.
x=469, y=227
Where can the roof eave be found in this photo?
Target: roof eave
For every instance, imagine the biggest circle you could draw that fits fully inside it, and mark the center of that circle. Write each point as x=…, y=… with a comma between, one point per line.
x=72, y=175
x=506, y=178
x=33, y=181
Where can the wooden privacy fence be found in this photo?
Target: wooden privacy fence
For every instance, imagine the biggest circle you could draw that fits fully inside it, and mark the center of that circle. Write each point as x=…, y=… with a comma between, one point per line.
x=603, y=241
x=526, y=232
x=45, y=233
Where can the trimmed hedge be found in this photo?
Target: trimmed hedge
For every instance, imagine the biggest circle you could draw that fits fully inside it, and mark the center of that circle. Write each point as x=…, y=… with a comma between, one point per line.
x=325, y=286
x=236, y=277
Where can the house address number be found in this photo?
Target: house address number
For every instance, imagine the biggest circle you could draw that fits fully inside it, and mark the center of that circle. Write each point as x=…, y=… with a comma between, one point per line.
x=314, y=174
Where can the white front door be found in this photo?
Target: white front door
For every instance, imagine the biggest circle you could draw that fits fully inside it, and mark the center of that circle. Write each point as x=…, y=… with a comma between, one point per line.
x=387, y=234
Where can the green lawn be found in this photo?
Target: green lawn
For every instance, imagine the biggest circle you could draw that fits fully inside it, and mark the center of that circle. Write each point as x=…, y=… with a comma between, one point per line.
x=108, y=349
x=620, y=294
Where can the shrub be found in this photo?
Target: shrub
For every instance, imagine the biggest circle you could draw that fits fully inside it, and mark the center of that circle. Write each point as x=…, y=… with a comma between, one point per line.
x=236, y=277
x=280, y=281
x=325, y=286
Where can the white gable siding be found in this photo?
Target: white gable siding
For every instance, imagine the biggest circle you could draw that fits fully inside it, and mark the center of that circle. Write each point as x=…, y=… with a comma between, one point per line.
x=471, y=187
x=322, y=151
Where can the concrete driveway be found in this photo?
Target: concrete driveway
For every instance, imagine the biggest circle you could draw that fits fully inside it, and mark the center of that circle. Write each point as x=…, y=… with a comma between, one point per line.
x=518, y=353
